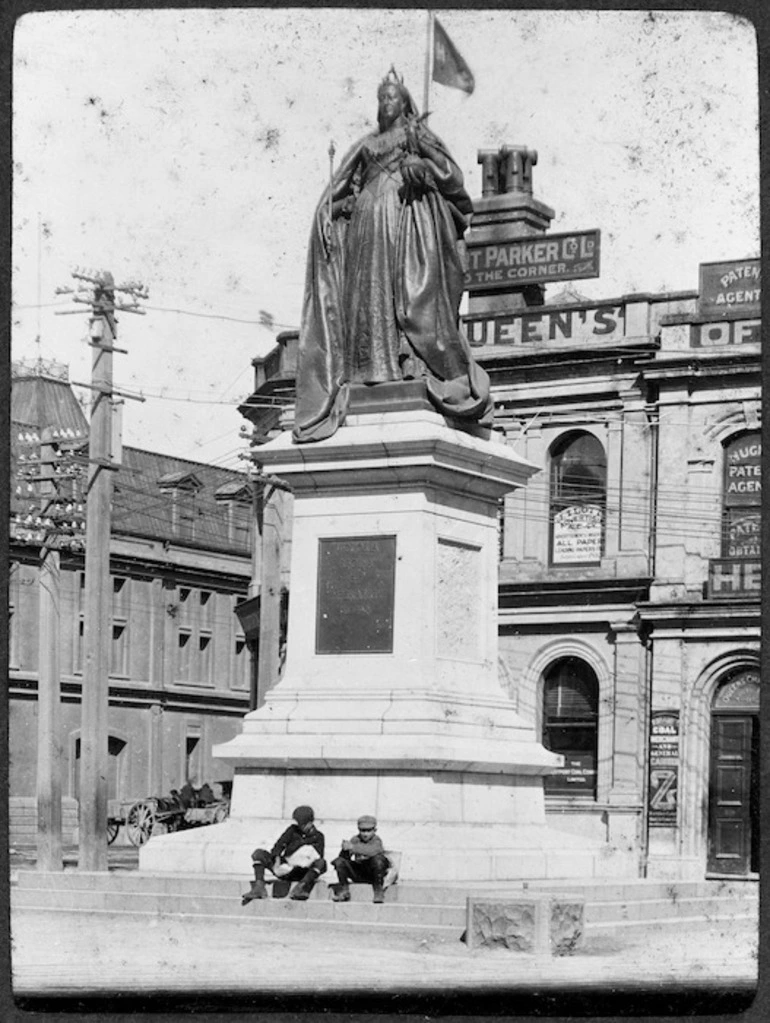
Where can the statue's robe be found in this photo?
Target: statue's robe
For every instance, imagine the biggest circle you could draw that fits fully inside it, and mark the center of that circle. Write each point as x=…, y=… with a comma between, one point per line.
x=383, y=287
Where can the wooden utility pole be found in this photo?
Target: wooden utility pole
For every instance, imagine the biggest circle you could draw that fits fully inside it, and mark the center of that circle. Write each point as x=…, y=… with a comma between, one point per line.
x=49, y=748
x=97, y=631
x=98, y=593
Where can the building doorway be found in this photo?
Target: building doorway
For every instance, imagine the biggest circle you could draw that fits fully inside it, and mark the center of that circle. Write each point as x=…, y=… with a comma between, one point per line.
x=733, y=823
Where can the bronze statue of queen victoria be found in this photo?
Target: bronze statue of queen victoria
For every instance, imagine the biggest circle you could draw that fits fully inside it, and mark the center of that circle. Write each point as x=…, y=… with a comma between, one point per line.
x=384, y=276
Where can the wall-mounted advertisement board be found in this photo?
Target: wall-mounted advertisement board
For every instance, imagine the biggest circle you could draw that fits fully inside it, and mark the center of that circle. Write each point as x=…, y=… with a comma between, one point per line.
x=730, y=289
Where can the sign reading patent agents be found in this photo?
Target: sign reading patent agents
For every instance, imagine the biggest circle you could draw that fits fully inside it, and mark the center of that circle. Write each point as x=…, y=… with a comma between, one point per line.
x=537, y=260
x=730, y=289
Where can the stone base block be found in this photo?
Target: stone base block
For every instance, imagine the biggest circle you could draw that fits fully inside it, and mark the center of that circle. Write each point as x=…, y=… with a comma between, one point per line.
x=538, y=924
x=429, y=852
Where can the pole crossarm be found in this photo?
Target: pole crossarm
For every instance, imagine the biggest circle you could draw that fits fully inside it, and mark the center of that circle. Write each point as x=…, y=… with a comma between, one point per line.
x=107, y=390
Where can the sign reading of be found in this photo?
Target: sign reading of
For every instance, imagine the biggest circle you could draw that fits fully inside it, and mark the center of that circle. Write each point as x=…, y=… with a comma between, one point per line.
x=664, y=768
x=602, y=322
x=356, y=589
x=728, y=332
x=730, y=289
x=537, y=260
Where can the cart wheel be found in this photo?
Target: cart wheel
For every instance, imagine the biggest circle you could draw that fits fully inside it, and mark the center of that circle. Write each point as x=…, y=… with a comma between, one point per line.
x=221, y=814
x=113, y=827
x=139, y=822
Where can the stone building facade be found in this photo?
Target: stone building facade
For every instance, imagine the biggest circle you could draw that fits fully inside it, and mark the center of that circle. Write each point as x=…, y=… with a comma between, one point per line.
x=629, y=566
x=180, y=561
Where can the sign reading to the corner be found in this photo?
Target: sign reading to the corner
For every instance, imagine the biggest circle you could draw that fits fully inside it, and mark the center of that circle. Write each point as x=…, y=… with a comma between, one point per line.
x=536, y=260
x=730, y=289
x=356, y=589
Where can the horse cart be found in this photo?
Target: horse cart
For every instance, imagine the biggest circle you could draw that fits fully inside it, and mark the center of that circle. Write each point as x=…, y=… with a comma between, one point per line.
x=176, y=812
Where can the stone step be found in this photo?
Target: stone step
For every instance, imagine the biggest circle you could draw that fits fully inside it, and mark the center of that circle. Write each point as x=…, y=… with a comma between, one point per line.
x=86, y=900
x=378, y=926
x=379, y=929
x=422, y=893
x=440, y=907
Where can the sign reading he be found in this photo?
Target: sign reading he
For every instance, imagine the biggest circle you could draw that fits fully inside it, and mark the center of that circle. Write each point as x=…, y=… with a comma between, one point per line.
x=728, y=332
x=538, y=260
x=356, y=589
x=734, y=579
x=601, y=322
x=730, y=289
x=664, y=768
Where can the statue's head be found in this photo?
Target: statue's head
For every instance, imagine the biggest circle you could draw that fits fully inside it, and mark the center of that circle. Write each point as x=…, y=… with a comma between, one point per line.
x=393, y=100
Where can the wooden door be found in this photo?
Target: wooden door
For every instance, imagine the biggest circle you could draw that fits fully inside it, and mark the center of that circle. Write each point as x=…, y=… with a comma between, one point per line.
x=733, y=794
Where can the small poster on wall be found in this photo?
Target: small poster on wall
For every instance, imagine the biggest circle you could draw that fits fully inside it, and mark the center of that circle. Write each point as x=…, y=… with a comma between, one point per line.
x=664, y=768
x=577, y=534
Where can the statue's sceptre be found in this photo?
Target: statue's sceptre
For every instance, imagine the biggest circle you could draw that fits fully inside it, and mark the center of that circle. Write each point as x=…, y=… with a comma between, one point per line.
x=331, y=188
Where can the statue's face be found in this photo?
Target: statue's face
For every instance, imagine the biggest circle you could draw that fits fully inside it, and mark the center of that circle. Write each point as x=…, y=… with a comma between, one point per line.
x=391, y=105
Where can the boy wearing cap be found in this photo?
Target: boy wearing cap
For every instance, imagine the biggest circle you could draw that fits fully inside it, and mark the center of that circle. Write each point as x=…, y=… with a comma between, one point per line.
x=362, y=860
x=296, y=856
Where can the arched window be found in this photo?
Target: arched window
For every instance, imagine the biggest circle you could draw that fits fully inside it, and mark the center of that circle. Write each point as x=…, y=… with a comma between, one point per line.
x=742, y=496
x=578, y=490
x=571, y=725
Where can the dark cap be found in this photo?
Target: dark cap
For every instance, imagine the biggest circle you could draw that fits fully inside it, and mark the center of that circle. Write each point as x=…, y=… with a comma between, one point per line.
x=303, y=815
x=367, y=822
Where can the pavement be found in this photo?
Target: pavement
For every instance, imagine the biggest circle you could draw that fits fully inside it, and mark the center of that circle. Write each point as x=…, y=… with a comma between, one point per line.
x=64, y=961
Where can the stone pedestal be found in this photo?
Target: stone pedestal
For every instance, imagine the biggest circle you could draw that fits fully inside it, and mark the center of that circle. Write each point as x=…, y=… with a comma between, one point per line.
x=390, y=702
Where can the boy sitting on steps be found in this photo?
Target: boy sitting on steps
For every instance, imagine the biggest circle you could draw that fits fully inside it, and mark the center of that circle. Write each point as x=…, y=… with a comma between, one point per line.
x=362, y=859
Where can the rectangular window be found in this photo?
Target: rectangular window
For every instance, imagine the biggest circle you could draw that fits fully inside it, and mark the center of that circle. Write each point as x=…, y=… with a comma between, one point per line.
x=204, y=658
x=206, y=601
x=121, y=589
x=192, y=757
x=119, y=652
x=184, y=646
x=13, y=653
x=241, y=664
x=77, y=647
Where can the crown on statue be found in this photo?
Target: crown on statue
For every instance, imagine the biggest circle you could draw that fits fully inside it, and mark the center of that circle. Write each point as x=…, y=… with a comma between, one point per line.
x=392, y=78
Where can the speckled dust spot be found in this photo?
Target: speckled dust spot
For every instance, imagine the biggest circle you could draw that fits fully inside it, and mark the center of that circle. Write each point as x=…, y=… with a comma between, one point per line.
x=270, y=138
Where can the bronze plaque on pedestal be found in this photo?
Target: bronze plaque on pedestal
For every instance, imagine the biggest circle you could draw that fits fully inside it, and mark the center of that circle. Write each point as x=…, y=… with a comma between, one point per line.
x=356, y=589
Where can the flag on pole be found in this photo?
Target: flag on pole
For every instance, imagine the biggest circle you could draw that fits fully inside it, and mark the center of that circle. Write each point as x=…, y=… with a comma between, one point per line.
x=449, y=67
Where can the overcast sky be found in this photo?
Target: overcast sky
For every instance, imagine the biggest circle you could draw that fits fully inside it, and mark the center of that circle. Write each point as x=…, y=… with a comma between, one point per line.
x=188, y=149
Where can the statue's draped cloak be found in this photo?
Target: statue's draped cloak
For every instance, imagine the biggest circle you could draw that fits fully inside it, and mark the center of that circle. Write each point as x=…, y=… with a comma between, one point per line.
x=381, y=299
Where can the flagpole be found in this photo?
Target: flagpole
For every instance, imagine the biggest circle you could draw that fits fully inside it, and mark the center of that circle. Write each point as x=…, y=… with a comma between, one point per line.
x=428, y=62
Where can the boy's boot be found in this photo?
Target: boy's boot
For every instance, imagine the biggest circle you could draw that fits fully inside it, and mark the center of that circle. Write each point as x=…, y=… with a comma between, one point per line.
x=379, y=892
x=341, y=892
x=258, y=889
x=304, y=887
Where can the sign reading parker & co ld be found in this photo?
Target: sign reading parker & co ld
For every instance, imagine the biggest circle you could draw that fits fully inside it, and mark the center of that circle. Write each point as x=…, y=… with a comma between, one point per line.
x=536, y=260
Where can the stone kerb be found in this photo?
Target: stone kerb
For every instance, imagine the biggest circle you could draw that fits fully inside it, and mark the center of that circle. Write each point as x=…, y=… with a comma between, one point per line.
x=540, y=924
